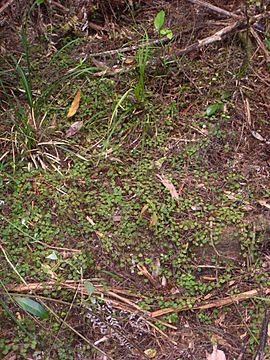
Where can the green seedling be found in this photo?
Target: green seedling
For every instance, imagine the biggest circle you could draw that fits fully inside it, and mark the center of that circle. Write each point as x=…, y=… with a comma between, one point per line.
x=159, y=22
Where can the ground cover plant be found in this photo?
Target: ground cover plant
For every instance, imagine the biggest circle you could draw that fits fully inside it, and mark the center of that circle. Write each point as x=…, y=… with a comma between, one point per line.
x=134, y=188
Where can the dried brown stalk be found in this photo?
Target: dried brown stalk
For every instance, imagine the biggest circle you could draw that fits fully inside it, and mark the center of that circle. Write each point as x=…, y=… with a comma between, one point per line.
x=213, y=8
x=216, y=303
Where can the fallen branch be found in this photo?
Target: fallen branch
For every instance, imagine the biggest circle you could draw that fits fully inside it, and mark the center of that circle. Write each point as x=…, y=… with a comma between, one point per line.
x=217, y=36
x=216, y=303
x=121, y=303
x=213, y=8
x=152, y=43
x=199, y=44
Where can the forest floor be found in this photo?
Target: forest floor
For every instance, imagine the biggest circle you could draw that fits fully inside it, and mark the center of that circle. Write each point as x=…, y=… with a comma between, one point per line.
x=134, y=188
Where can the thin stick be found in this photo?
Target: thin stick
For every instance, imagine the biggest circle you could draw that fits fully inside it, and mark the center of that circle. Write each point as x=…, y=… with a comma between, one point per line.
x=214, y=304
x=263, y=337
x=12, y=266
x=153, y=43
x=213, y=8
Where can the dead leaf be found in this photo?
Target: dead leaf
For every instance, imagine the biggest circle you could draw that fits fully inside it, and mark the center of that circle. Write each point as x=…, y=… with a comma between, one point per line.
x=47, y=269
x=216, y=354
x=117, y=218
x=145, y=207
x=153, y=220
x=257, y=136
x=163, y=281
x=151, y=353
x=156, y=268
x=74, y=128
x=90, y=220
x=168, y=184
x=129, y=61
x=100, y=65
x=74, y=105
x=264, y=203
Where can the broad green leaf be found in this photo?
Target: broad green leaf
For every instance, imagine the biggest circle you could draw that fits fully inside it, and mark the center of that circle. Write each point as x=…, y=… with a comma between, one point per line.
x=32, y=307
x=89, y=287
x=212, y=109
x=159, y=20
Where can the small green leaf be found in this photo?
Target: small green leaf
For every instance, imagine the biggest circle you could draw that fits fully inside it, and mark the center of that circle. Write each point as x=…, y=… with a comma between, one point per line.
x=159, y=20
x=39, y=2
x=32, y=307
x=167, y=32
x=89, y=287
x=52, y=256
x=212, y=109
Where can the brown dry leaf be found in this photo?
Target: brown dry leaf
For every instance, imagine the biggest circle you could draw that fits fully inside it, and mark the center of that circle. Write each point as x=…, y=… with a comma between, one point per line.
x=264, y=203
x=74, y=105
x=153, y=220
x=168, y=184
x=216, y=354
x=74, y=128
x=129, y=61
x=257, y=136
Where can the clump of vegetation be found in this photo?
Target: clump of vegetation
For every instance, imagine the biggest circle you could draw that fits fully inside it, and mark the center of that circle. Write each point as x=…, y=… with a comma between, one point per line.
x=128, y=197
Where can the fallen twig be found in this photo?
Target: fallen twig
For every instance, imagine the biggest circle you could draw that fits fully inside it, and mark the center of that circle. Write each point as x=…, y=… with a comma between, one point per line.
x=153, y=43
x=261, y=44
x=216, y=303
x=213, y=8
x=146, y=273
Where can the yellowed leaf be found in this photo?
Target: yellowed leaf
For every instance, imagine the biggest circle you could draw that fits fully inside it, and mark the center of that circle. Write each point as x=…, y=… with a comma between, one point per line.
x=74, y=105
x=169, y=185
x=151, y=353
x=129, y=60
